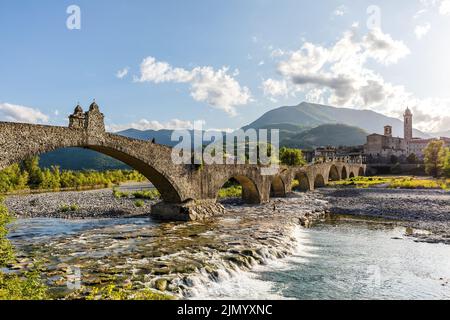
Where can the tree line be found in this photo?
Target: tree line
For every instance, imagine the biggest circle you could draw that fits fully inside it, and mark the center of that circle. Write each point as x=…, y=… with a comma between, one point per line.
x=437, y=159
x=29, y=175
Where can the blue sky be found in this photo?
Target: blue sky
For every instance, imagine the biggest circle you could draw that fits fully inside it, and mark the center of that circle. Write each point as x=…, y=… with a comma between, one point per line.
x=224, y=62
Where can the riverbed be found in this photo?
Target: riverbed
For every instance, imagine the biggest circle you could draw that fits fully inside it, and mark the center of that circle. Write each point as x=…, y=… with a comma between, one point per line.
x=338, y=258
x=252, y=252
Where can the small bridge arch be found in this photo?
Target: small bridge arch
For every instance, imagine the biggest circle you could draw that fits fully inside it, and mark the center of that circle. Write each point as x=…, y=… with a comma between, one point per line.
x=319, y=181
x=333, y=174
x=344, y=174
x=277, y=187
x=250, y=192
x=303, y=181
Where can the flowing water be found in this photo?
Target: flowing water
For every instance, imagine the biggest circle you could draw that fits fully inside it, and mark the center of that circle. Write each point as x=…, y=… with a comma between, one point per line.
x=243, y=255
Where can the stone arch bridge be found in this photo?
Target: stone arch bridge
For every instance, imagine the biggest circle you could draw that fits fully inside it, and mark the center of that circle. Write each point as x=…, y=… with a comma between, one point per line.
x=189, y=192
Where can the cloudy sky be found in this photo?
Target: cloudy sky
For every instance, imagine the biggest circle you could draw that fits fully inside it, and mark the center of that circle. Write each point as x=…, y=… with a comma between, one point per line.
x=165, y=64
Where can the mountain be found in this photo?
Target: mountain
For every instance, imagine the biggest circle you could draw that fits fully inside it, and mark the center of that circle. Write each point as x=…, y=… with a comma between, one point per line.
x=79, y=159
x=441, y=134
x=326, y=135
x=312, y=115
x=160, y=136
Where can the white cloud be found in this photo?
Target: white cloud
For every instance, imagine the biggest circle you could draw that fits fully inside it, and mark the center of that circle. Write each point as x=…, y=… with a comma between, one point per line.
x=419, y=13
x=122, y=73
x=144, y=124
x=339, y=74
x=17, y=113
x=422, y=30
x=275, y=88
x=174, y=124
x=444, y=7
x=340, y=11
x=217, y=88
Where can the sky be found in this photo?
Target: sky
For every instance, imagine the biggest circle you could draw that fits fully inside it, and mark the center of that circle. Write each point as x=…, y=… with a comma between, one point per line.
x=165, y=64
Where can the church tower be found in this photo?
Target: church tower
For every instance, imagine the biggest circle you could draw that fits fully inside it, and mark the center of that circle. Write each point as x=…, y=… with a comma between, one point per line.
x=408, y=133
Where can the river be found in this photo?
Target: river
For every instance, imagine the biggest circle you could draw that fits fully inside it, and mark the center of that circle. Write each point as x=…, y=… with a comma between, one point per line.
x=339, y=258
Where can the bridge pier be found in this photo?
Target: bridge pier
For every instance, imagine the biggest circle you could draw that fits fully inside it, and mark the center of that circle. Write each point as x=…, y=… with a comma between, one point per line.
x=191, y=210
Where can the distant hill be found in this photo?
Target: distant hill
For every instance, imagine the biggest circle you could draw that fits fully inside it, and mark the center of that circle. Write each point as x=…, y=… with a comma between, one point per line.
x=313, y=115
x=79, y=159
x=306, y=125
x=441, y=134
x=326, y=135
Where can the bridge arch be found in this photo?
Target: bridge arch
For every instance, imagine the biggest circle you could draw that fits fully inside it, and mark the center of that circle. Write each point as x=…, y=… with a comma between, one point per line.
x=344, y=173
x=361, y=171
x=303, y=180
x=333, y=174
x=162, y=182
x=352, y=175
x=319, y=181
x=20, y=141
x=250, y=192
x=277, y=187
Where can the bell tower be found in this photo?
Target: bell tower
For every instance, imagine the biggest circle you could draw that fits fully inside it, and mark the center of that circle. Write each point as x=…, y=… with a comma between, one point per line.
x=408, y=133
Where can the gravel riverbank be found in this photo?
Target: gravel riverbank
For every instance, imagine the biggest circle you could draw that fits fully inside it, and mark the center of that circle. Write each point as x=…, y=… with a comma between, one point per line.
x=420, y=209
x=89, y=204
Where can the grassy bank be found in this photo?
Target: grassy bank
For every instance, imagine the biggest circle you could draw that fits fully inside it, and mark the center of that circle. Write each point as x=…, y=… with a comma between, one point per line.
x=234, y=191
x=394, y=182
x=29, y=177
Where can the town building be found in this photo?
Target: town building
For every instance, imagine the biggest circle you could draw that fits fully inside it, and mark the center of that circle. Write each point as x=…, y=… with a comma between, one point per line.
x=383, y=148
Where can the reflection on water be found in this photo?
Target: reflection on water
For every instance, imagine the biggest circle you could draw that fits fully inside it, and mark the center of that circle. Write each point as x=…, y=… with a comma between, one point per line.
x=340, y=259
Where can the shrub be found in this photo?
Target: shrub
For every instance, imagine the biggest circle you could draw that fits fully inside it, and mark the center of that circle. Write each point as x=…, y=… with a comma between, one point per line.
x=291, y=157
x=26, y=286
x=139, y=203
x=69, y=208
x=230, y=192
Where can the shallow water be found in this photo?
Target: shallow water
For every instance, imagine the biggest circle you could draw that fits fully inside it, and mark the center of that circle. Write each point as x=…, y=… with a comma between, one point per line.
x=337, y=259
x=347, y=260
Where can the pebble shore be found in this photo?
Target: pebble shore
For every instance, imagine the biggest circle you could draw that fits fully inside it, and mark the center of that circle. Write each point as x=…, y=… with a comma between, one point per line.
x=90, y=204
x=419, y=209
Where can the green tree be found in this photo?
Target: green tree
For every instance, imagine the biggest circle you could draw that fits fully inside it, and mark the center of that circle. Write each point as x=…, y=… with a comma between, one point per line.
x=394, y=159
x=412, y=159
x=434, y=158
x=35, y=176
x=12, y=178
x=446, y=167
x=291, y=157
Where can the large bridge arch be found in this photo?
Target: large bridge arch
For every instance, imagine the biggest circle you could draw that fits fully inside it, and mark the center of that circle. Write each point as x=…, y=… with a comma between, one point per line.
x=20, y=141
